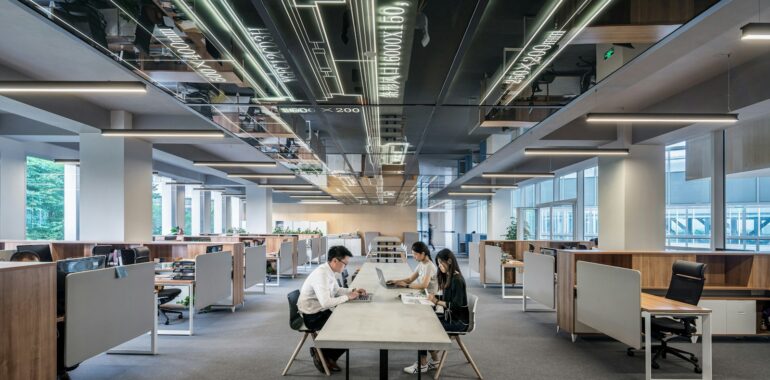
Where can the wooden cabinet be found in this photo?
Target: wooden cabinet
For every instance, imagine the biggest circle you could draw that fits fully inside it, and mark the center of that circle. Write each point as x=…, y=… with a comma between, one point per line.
x=27, y=321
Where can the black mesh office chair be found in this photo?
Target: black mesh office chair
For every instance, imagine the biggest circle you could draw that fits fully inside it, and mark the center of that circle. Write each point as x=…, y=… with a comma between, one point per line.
x=686, y=286
x=298, y=324
x=102, y=250
x=141, y=255
x=166, y=296
x=531, y=247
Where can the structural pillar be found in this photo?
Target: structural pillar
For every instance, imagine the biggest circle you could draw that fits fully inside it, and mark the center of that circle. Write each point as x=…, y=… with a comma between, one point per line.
x=71, y=183
x=166, y=208
x=206, y=212
x=718, y=190
x=499, y=214
x=632, y=199
x=259, y=210
x=13, y=190
x=179, y=209
x=195, y=213
x=115, y=185
x=218, y=213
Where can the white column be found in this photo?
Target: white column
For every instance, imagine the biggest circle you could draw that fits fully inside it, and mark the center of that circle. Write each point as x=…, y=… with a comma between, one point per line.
x=71, y=184
x=235, y=212
x=13, y=190
x=718, y=191
x=206, y=212
x=179, y=194
x=499, y=214
x=227, y=210
x=259, y=210
x=218, y=212
x=195, y=210
x=167, y=208
x=632, y=199
x=115, y=185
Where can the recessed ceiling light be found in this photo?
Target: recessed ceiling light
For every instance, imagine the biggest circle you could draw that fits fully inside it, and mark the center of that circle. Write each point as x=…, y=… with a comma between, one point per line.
x=471, y=186
x=311, y=196
x=574, y=152
x=255, y=175
x=507, y=124
x=320, y=202
x=162, y=133
x=470, y=194
x=517, y=175
x=290, y=191
x=755, y=31
x=183, y=183
x=656, y=118
x=231, y=164
x=71, y=87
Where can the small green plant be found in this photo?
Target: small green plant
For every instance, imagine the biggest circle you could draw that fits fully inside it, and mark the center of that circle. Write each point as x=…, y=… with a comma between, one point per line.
x=174, y=230
x=184, y=302
x=512, y=232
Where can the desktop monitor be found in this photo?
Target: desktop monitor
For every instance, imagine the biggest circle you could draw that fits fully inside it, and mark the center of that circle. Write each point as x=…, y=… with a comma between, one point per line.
x=43, y=251
x=214, y=248
x=80, y=264
x=548, y=251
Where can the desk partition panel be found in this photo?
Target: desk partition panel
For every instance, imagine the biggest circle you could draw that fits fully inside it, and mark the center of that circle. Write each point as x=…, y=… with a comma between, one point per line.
x=473, y=258
x=287, y=261
x=302, y=251
x=104, y=311
x=492, y=263
x=609, y=300
x=213, y=281
x=255, y=266
x=316, y=249
x=539, y=271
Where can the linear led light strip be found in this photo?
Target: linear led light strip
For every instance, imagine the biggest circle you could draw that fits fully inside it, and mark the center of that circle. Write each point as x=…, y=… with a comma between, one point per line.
x=548, y=61
x=72, y=87
x=311, y=196
x=660, y=118
x=257, y=175
x=220, y=45
x=470, y=194
x=277, y=186
x=162, y=133
x=488, y=186
x=129, y=15
x=320, y=202
x=235, y=164
x=289, y=191
x=574, y=152
x=363, y=19
x=755, y=31
x=242, y=45
x=518, y=175
x=513, y=62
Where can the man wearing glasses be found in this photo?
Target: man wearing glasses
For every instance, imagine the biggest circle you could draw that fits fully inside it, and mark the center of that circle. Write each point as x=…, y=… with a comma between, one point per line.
x=320, y=294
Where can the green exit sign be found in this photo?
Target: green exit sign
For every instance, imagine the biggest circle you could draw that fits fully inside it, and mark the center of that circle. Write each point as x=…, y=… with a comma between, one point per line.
x=609, y=53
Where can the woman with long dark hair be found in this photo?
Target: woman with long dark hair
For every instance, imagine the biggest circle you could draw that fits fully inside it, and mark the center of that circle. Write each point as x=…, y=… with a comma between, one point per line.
x=424, y=276
x=454, y=301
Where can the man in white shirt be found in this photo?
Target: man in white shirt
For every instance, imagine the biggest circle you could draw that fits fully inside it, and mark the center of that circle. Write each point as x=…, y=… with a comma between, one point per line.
x=320, y=294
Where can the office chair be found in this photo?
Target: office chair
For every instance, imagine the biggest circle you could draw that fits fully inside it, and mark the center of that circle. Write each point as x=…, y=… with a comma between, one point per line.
x=474, y=300
x=686, y=286
x=298, y=324
x=24, y=256
x=141, y=255
x=165, y=296
x=531, y=247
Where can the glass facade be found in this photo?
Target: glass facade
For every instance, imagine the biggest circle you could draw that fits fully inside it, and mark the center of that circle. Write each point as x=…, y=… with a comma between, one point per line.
x=688, y=196
x=591, y=203
x=45, y=199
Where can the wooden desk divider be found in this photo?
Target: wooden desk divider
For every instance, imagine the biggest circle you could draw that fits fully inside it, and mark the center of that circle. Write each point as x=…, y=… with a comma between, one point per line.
x=256, y=267
x=104, y=311
x=28, y=320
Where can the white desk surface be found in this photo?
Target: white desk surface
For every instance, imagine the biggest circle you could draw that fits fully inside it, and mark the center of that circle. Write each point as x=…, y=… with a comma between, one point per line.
x=384, y=323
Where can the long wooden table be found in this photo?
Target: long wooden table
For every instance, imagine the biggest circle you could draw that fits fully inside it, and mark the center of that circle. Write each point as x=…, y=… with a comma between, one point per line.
x=384, y=323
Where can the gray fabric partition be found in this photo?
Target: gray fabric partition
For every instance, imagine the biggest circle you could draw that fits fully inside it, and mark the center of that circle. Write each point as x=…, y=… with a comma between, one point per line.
x=256, y=264
x=609, y=300
x=103, y=311
x=286, y=258
x=539, y=271
x=213, y=281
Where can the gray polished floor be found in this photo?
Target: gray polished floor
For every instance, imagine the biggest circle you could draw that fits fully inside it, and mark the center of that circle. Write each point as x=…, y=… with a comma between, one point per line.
x=255, y=342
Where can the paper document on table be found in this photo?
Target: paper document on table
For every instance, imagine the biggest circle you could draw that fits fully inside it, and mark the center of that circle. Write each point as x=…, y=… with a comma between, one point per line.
x=415, y=299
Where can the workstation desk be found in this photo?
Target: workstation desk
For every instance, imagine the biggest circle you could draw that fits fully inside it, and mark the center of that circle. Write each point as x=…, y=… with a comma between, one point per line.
x=737, y=284
x=385, y=323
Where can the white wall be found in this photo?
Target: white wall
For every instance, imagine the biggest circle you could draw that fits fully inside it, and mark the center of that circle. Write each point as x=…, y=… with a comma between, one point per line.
x=499, y=214
x=13, y=190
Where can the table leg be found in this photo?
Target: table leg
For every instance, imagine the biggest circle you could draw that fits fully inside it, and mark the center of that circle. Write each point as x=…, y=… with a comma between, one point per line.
x=383, y=364
x=706, y=360
x=347, y=364
x=191, y=307
x=502, y=280
x=647, y=345
x=419, y=366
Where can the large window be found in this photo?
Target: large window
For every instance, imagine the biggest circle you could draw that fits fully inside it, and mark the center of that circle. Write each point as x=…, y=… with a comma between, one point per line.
x=157, y=206
x=747, y=215
x=688, y=194
x=45, y=199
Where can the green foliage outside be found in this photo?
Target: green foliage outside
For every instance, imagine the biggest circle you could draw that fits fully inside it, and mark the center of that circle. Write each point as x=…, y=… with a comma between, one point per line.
x=239, y=231
x=512, y=232
x=289, y=231
x=45, y=200
x=157, y=214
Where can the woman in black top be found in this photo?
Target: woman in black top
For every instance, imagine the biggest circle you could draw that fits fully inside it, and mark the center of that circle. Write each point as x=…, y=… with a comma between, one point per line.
x=454, y=301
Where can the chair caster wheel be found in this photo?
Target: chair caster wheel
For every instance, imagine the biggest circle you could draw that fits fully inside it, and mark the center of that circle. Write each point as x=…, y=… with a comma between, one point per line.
x=167, y=323
x=698, y=370
x=655, y=365
x=179, y=317
x=630, y=352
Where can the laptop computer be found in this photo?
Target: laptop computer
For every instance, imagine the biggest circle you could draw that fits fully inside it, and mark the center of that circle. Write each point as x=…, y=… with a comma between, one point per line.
x=382, y=280
x=363, y=298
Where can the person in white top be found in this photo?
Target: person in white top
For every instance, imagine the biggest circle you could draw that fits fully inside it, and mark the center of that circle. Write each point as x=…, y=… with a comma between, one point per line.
x=320, y=294
x=424, y=276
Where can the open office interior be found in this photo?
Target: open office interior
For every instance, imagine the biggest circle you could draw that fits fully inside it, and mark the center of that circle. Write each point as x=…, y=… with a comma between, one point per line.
x=266, y=189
